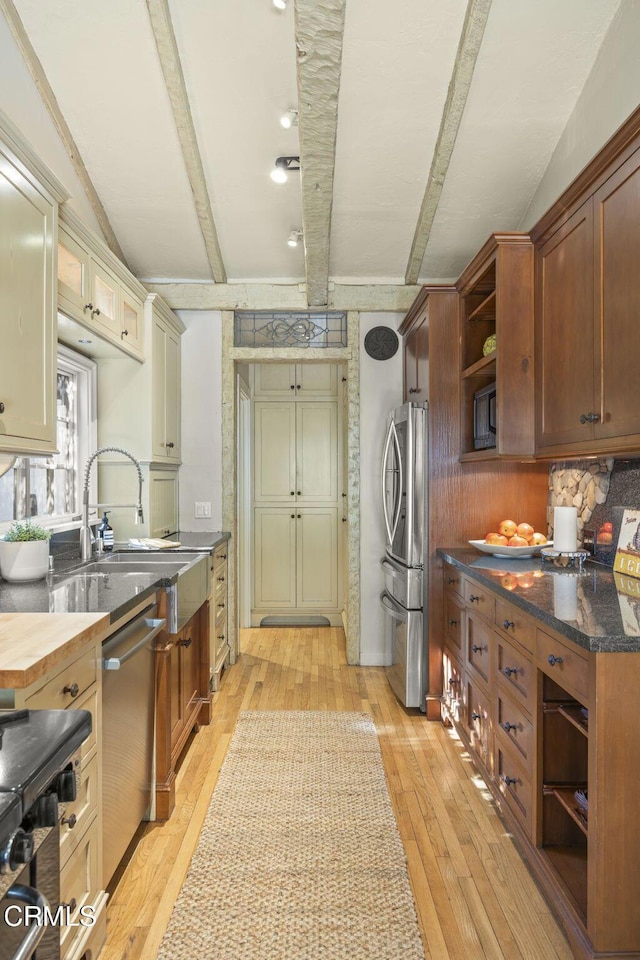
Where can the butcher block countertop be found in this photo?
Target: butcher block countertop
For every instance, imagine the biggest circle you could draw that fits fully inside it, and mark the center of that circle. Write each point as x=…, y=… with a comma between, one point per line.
x=33, y=644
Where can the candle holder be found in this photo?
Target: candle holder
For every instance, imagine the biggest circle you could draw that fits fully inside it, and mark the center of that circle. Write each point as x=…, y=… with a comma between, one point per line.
x=568, y=561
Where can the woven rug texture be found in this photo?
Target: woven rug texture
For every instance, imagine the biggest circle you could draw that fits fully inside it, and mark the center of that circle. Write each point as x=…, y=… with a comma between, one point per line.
x=299, y=857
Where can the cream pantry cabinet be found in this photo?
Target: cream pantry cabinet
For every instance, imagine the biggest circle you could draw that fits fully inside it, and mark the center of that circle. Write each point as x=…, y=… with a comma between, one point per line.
x=273, y=381
x=28, y=224
x=96, y=290
x=296, y=550
x=165, y=348
x=295, y=452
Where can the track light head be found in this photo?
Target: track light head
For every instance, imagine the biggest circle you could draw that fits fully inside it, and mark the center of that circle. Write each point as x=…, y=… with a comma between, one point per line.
x=280, y=4
x=289, y=119
x=281, y=168
x=295, y=237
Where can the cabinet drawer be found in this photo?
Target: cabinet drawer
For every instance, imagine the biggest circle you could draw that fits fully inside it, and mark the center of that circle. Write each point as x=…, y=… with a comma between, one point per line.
x=478, y=723
x=564, y=665
x=81, y=811
x=514, y=784
x=453, y=615
x=220, y=556
x=510, y=619
x=513, y=727
x=515, y=672
x=479, y=599
x=79, y=884
x=453, y=580
x=220, y=634
x=479, y=643
x=64, y=689
x=454, y=695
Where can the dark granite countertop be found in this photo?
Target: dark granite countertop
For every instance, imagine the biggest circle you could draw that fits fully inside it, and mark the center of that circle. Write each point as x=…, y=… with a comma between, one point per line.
x=596, y=609
x=204, y=542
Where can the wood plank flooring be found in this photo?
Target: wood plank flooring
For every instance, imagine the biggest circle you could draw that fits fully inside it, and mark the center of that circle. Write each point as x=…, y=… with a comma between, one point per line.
x=474, y=897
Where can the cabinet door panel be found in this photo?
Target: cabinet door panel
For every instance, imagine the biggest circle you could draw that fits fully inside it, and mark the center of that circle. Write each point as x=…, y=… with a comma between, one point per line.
x=411, y=348
x=566, y=332
x=27, y=362
x=317, y=567
x=274, y=452
x=105, y=296
x=275, y=557
x=316, y=379
x=274, y=380
x=159, y=389
x=172, y=395
x=617, y=229
x=73, y=275
x=317, y=452
x=163, y=503
x=132, y=322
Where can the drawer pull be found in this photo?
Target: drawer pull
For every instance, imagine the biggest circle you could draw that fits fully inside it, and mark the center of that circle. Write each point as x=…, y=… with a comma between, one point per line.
x=553, y=660
x=508, y=671
x=185, y=643
x=453, y=682
x=70, y=905
x=476, y=716
x=223, y=556
x=476, y=648
x=70, y=821
x=452, y=579
x=221, y=604
x=474, y=598
x=508, y=623
x=509, y=726
x=221, y=636
x=72, y=688
x=452, y=623
x=220, y=579
x=508, y=780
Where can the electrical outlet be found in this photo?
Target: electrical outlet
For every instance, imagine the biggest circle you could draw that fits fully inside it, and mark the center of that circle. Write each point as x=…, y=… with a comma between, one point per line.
x=202, y=509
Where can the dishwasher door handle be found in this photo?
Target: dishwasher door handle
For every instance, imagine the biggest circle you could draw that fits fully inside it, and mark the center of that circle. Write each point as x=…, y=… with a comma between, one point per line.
x=114, y=663
x=30, y=897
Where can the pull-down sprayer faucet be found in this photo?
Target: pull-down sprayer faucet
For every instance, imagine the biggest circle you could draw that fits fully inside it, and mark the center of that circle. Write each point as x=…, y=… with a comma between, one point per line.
x=86, y=538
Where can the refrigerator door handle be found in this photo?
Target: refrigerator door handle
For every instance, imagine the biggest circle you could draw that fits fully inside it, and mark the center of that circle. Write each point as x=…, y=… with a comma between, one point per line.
x=396, y=611
x=385, y=460
x=396, y=443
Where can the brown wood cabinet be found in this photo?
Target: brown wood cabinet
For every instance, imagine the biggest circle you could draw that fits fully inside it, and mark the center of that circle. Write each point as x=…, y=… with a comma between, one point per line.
x=587, y=292
x=496, y=298
x=544, y=718
x=416, y=361
x=183, y=698
x=466, y=500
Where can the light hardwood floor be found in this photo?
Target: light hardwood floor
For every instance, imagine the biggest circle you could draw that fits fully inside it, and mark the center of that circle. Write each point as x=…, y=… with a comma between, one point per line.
x=474, y=897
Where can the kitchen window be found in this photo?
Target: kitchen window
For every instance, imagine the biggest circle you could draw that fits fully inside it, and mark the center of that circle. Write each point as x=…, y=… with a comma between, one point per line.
x=49, y=489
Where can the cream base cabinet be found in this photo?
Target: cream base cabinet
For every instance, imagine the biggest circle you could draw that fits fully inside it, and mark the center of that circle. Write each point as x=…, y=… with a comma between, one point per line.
x=28, y=224
x=296, y=559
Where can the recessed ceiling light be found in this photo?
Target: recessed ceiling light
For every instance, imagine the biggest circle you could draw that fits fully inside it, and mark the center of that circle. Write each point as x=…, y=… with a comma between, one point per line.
x=280, y=4
x=294, y=238
x=281, y=168
x=289, y=119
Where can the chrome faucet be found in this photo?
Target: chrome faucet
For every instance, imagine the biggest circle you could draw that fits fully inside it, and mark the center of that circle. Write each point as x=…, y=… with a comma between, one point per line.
x=86, y=538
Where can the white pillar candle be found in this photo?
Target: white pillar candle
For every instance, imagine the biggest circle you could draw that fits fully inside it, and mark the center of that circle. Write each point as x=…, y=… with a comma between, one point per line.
x=565, y=529
x=565, y=597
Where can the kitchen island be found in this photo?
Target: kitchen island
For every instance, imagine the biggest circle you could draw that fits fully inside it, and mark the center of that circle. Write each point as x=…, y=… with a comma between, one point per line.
x=541, y=672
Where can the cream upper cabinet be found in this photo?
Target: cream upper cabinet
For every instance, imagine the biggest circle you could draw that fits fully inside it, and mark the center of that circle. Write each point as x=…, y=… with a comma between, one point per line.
x=28, y=224
x=166, y=391
x=316, y=452
x=305, y=381
x=163, y=502
x=97, y=290
x=274, y=452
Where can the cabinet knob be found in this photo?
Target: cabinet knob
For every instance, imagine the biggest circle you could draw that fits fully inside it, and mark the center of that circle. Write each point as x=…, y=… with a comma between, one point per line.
x=453, y=681
x=293, y=386
x=452, y=579
x=95, y=312
x=298, y=387
x=87, y=306
x=413, y=390
x=553, y=660
x=476, y=716
x=508, y=780
x=171, y=444
x=70, y=821
x=293, y=516
x=70, y=904
x=223, y=556
x=221, y=636
x=508, y=623
x=452, y=623
x=293, y=493
x=221, y=604
x=299, y=516
x=72, y=688
x=125, y=333
x=185, y=643
x=509, y=670
x=473, y=598
x=299, y=493
x=220, y=579
x=509, y=726
x=1, y=407
x=476, y=648
x=589, y=418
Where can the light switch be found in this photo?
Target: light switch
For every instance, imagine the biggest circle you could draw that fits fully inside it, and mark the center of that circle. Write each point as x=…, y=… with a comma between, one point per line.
x=202, y=509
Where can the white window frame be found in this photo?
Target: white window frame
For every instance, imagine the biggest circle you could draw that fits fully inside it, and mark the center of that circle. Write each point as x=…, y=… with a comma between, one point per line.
x=85, y=370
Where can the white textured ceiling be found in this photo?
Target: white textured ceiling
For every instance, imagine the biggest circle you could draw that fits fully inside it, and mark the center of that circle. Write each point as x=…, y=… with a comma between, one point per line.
x=239, y=63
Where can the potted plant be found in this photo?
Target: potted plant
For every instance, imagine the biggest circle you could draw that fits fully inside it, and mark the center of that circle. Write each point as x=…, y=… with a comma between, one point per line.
x=24, y=551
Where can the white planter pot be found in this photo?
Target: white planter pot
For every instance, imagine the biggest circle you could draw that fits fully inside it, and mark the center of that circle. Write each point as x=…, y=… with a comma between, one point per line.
x=24, y=560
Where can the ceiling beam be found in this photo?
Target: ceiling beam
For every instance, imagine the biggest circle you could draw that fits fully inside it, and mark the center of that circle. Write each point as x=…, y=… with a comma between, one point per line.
x=374, y=298
x=48, y=98
x=319, y=34
x=470, y=40
x=162, y=26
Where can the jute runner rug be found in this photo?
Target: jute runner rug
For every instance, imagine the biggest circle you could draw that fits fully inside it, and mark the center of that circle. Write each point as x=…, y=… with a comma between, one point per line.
x=300, y=856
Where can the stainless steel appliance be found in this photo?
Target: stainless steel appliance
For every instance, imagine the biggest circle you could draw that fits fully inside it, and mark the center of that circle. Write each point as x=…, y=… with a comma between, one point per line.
x=405, y=510
x=484, y=418
x=39, y=757
x=128, y=707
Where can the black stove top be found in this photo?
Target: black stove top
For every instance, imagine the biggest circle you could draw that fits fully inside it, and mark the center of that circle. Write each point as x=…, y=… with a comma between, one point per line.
x=10, y=815
x=34, y=746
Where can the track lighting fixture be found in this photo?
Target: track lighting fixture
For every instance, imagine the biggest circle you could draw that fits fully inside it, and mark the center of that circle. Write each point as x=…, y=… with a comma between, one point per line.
x=289, y=119
x=280, y=4
x=282, y=166
x=295, y=237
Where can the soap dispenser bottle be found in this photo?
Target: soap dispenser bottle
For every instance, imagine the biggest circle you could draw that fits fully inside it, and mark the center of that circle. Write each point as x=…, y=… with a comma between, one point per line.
x=105, y=532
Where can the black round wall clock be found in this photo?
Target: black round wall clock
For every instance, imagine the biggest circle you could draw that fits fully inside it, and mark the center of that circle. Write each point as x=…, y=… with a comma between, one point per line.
x=381, y=343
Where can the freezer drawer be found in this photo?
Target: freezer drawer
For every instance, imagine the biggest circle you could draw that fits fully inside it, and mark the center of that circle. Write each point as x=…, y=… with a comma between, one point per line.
x=405, y=637
x=402, y=583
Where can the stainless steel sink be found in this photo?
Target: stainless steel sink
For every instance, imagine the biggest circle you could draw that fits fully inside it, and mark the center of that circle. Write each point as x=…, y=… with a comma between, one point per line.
x=163, y=556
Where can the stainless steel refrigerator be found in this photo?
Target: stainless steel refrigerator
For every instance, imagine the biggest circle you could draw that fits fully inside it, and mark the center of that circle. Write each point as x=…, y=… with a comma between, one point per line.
x=405, y=510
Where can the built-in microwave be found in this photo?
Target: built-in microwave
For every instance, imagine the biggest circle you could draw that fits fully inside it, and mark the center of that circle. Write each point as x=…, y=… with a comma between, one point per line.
x=484, y=417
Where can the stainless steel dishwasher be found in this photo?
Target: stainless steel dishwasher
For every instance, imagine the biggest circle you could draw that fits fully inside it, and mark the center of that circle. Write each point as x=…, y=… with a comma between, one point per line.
x=128, y=708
